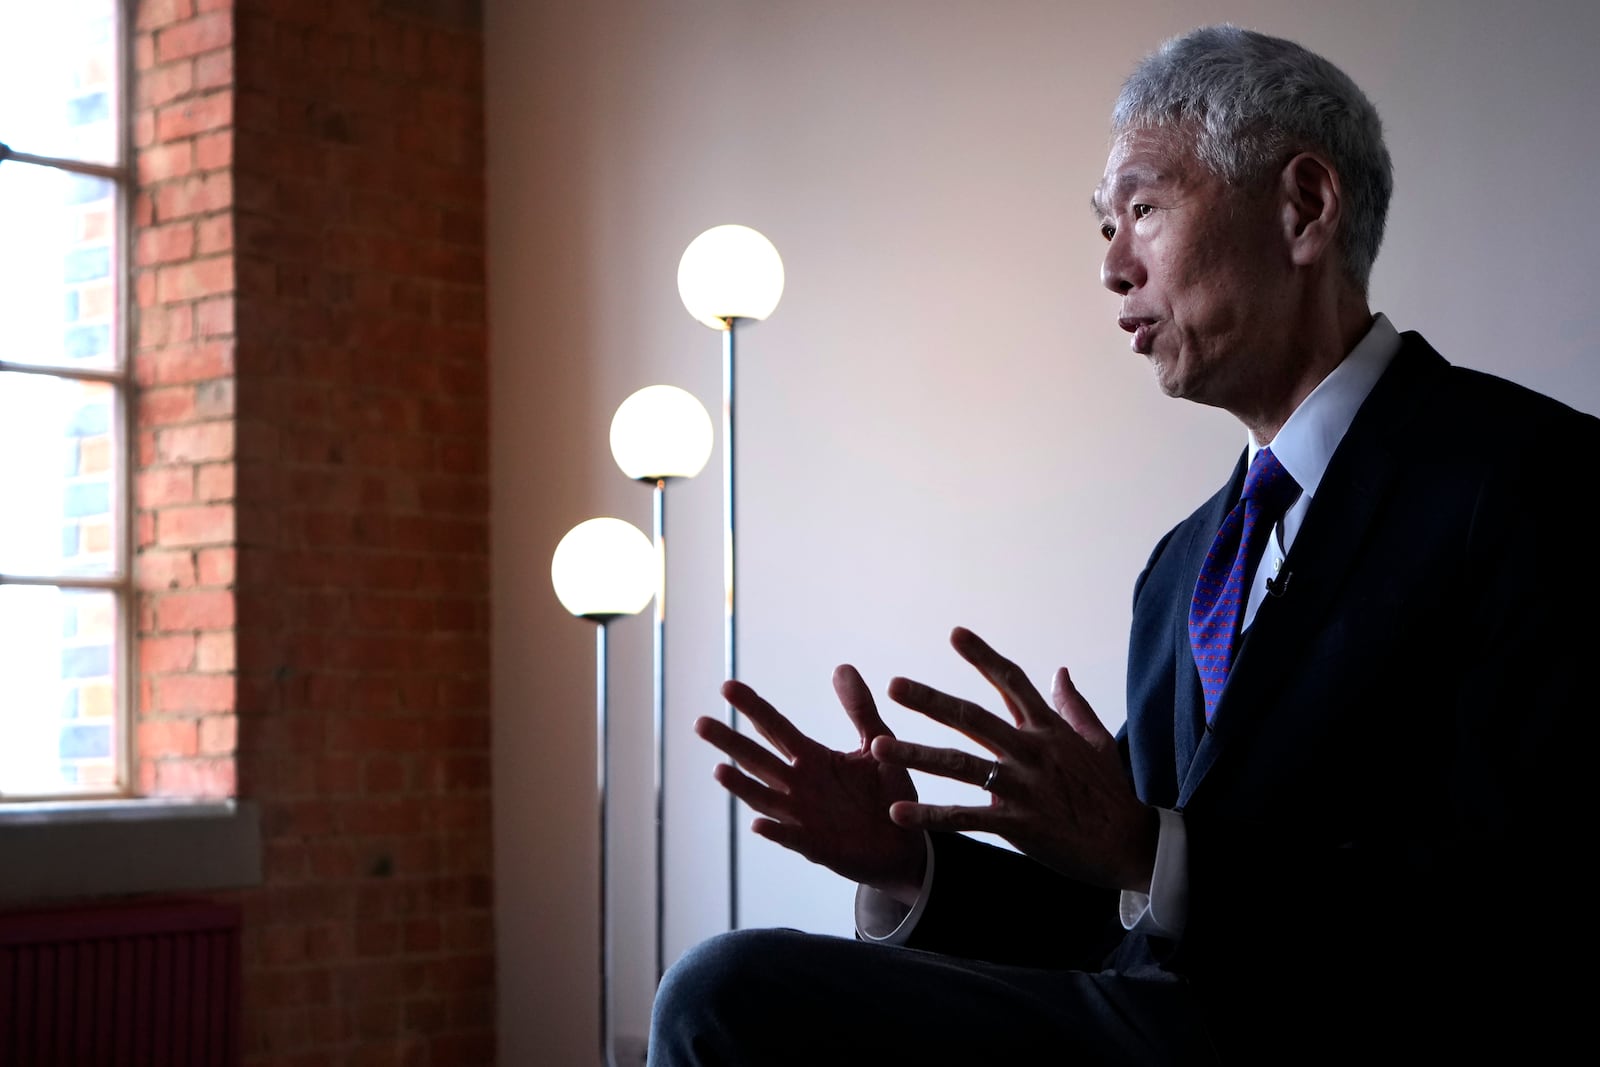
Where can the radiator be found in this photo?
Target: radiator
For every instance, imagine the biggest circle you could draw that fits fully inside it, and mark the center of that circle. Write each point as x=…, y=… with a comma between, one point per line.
x=147, y=984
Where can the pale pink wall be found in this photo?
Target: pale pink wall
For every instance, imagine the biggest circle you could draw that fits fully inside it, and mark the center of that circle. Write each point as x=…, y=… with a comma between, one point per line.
x=941, y=424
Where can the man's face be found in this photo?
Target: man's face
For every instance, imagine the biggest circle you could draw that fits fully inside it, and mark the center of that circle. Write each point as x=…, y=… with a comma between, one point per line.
x=1200, y=266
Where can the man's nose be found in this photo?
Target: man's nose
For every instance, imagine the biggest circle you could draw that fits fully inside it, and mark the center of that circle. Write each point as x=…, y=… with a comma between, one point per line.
x=1120, y=271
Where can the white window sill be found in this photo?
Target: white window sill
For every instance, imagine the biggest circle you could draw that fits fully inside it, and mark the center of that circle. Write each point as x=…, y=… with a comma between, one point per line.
x=98, y=848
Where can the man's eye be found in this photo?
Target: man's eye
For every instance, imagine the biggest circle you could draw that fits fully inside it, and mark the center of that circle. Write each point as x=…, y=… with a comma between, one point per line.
x=1107, y=230
x=1142, y=211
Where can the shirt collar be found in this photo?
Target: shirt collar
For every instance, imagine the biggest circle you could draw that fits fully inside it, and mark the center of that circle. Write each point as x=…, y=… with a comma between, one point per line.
x=1307, y=441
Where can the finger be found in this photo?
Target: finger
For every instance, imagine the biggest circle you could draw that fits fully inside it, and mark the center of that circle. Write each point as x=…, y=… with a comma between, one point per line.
x=944, y=762
x=744, y=751
x=1027, y=707
x=767, y=719
x=1076, y=710
x=986, y=729
x=790, y=835
x=915, y=816
x=768, y=802
x=857, y=700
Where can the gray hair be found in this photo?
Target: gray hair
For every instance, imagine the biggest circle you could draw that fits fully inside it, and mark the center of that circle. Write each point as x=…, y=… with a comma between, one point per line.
x=1248, y=100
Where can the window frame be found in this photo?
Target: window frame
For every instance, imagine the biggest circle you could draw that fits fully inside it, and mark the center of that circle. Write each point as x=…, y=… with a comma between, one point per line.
x=120, y=379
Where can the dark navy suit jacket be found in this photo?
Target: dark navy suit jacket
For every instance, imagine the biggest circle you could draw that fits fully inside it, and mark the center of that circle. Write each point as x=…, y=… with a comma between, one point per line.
x=1386, y=818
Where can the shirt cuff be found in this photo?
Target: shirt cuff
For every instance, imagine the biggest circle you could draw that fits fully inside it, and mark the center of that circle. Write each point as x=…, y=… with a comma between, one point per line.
x=882, y=918
x=1164, y=911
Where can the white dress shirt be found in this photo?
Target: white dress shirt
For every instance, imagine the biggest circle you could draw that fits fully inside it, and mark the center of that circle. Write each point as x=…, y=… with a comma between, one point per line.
x=1304, y=446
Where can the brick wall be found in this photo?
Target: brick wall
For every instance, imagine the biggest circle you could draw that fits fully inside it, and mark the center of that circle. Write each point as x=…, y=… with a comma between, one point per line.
x=312, y=499
x=183, y=361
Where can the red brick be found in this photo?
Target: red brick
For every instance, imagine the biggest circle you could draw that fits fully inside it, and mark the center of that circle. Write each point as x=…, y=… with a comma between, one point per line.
x=155, y=570
x=160, y=326
x=213, y=151
x=163, y=655
x=160, y=162
x=384, y=774
x=164, y=244
x=215, y=315
x=153, y=14
x=163, y=85
x=201, y=34
x=338, y=774
x=214, y=481
x=198, y=194
x=214, y=399
x=194, y=778
x=378, y=937
x=158, y=487
x=197, y=443
x=198, y=114
x=216, y=566
x=187, y=363
x=163, y=406
x=216, y=234
x=168, y=737
x=205, y=525
x=374, y=735
x=215, y=652
x=214, y=70
x=198, y=610
x=218, y=735
x=194, y=692
x=202, y=277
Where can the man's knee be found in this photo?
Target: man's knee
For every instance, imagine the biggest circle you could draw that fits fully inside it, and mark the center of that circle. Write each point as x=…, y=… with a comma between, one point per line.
x=721, y=972
x=724, y=992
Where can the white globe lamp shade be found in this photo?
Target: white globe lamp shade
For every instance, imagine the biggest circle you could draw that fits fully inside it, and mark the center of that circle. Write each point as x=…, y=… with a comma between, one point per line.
x=661, y=432
x=730, y=272
x=604, y=567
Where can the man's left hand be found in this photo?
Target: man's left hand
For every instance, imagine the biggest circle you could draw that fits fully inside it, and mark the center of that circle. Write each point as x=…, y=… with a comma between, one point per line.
x=1059, y=792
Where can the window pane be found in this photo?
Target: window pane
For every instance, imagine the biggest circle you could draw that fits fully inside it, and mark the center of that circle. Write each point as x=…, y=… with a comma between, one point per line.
x=58, y=287
x=58, y=698
x=58, y=463
x=58, y=80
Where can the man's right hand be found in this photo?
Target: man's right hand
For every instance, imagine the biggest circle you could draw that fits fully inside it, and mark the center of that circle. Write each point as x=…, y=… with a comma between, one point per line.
x=830, y=807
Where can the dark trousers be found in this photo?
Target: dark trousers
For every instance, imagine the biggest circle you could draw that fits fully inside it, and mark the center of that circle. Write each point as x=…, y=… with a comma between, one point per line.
x=771, y=997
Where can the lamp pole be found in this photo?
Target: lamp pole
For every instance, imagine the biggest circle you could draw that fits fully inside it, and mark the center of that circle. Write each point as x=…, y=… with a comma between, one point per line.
x=659, y=531
x=601, y=571
x=659, y=433
x=729, y=273
x=730, y=602
x=602, y=774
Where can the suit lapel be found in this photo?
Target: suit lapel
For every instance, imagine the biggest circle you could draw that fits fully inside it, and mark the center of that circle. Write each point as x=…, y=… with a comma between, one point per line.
x=1330, y=539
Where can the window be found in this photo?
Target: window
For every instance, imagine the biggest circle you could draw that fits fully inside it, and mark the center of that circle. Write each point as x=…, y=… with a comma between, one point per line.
x=65, y=589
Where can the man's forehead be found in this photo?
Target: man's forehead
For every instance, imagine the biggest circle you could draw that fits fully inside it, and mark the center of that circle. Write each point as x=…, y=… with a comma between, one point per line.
x=1141, y=159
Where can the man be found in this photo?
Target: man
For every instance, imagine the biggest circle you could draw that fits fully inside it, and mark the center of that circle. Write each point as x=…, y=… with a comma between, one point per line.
x=1339, y=816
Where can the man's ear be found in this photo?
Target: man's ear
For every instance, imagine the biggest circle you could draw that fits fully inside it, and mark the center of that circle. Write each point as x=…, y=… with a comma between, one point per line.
x=1312, y=202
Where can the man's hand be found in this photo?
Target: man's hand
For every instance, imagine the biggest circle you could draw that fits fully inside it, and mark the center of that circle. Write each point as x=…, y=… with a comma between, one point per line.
x=1059, y=792
x=831, y=807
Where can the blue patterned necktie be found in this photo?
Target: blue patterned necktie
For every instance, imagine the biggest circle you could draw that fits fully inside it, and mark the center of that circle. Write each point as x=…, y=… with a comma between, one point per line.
x=1220, y=593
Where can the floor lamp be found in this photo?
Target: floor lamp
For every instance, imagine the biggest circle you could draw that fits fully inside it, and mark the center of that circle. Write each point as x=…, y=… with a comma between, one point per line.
x=659, y=433
x=729, y=275
x=603, y=569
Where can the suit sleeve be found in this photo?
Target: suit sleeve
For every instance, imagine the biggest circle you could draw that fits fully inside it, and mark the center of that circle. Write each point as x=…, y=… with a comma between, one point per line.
x=993, y=904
